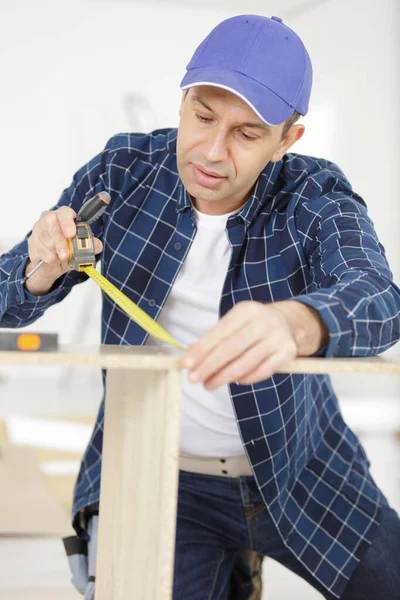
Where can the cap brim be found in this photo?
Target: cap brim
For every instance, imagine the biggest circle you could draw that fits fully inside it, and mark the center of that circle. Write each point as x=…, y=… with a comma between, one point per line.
x=269, y=107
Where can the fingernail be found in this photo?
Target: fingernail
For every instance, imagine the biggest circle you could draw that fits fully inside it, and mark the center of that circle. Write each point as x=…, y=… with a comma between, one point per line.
x=194, y=377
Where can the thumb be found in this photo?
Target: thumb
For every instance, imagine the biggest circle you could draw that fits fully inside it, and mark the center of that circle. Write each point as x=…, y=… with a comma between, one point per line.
x=98, y=246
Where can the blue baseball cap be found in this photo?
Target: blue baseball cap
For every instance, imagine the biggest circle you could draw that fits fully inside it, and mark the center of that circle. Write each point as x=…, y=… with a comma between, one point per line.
x=259, y=59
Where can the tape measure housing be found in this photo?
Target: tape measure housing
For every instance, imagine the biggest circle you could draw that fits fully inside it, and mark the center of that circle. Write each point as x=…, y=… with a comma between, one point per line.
x=81, y=248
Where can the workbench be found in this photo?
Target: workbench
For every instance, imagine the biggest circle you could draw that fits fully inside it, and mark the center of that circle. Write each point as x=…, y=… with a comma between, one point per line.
x=139, y=487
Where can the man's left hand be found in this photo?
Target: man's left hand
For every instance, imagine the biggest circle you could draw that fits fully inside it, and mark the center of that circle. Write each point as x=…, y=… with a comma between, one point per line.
x=247, y=345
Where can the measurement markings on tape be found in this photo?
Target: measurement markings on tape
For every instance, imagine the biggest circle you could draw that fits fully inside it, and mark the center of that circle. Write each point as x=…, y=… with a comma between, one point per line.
x=131, y=309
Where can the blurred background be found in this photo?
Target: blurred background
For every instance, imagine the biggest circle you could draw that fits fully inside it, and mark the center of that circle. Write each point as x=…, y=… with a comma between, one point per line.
x=75, y=73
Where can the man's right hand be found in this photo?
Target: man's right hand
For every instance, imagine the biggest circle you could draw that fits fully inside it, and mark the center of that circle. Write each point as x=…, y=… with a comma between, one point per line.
x=49, y=242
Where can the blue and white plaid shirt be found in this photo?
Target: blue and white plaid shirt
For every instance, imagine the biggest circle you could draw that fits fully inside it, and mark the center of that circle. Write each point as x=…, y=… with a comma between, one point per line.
x=303, y=234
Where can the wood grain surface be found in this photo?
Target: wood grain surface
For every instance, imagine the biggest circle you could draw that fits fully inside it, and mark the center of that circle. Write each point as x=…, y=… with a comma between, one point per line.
x=151, y=358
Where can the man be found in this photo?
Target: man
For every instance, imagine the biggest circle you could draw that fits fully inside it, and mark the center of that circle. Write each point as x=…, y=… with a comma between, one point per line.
x=218, y=220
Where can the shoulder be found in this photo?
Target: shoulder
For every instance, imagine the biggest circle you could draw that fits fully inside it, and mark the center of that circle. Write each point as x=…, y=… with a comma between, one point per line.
x=312, y=176
x=151, y=148
x=318, y=185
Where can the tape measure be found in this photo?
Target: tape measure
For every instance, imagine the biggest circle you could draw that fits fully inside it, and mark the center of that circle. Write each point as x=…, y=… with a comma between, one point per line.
x=131, y=309
x=82, y=258
x=81, y=248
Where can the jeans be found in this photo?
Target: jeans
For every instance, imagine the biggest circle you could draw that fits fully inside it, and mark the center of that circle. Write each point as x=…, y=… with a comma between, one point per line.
x=220, y=517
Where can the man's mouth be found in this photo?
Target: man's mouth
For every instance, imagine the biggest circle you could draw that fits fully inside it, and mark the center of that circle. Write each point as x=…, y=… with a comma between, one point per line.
x=206, y=178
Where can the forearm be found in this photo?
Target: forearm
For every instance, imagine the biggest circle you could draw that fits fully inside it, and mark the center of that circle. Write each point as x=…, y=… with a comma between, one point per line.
x=362, y=314
x=349, y=282
x=41, y=282
x=308, y=329
x=18, y=307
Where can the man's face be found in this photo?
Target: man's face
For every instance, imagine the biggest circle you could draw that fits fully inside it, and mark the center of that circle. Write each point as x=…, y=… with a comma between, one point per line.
x=222, y=148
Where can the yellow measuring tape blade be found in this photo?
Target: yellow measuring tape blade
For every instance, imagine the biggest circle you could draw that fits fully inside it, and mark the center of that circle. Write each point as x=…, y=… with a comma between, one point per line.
x=131, y=309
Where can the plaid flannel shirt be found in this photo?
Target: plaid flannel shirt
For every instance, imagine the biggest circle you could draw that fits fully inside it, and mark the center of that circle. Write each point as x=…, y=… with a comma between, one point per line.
x=303, y=235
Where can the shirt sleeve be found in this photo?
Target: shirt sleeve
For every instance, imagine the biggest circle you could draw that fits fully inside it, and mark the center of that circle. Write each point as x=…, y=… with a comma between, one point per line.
x=351, y=283
x=17, y=306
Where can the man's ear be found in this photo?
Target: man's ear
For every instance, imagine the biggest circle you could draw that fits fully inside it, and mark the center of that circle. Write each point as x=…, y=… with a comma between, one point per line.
x=294, y=134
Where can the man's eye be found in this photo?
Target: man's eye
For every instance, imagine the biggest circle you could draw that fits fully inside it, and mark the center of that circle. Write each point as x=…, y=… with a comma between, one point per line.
x=246, y=137
x=202, y=119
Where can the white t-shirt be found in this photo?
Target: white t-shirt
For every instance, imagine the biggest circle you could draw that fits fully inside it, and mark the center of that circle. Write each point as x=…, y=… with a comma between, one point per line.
x=208, y=426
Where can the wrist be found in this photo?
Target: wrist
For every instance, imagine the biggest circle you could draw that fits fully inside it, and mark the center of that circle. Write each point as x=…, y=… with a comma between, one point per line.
x=308, y=328
x=40, y=283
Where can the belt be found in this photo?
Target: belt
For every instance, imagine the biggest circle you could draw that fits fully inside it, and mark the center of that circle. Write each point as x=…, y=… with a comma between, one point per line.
x=232, y=466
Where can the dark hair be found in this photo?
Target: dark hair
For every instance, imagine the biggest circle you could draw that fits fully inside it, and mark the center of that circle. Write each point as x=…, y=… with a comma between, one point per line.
x=289, y=122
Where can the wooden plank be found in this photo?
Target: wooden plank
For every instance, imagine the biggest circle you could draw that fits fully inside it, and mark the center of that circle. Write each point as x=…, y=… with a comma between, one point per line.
x=328, y=366
x=139, y=489
x=60, y=485
x=107, y=356
x=26, y=503
x=154, y=358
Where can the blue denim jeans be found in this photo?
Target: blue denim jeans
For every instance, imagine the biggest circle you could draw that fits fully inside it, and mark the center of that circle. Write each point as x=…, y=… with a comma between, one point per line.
x=220, y=517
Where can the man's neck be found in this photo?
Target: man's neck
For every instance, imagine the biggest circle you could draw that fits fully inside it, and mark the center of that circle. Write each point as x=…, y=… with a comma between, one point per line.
x=219, y=207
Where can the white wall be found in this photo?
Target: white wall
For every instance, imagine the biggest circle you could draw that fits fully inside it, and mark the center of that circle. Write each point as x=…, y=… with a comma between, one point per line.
x=67, y=68
x=356, y=48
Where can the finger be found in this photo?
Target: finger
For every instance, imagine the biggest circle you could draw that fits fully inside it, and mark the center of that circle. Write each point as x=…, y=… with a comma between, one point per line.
x=244, y=364
x=66, y=216
x=267, y=368
x=233, y=321
x=39, y=251
x=227, y=351
x=52, y=236
x=65, y=267
x=54, y=262
x=98, y=246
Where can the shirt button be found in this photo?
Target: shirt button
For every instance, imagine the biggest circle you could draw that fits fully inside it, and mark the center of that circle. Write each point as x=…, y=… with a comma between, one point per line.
x=152, y=302
x=178, y=246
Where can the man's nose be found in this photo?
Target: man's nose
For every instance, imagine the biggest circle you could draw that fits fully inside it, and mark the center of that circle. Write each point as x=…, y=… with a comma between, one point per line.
x=216, y=147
